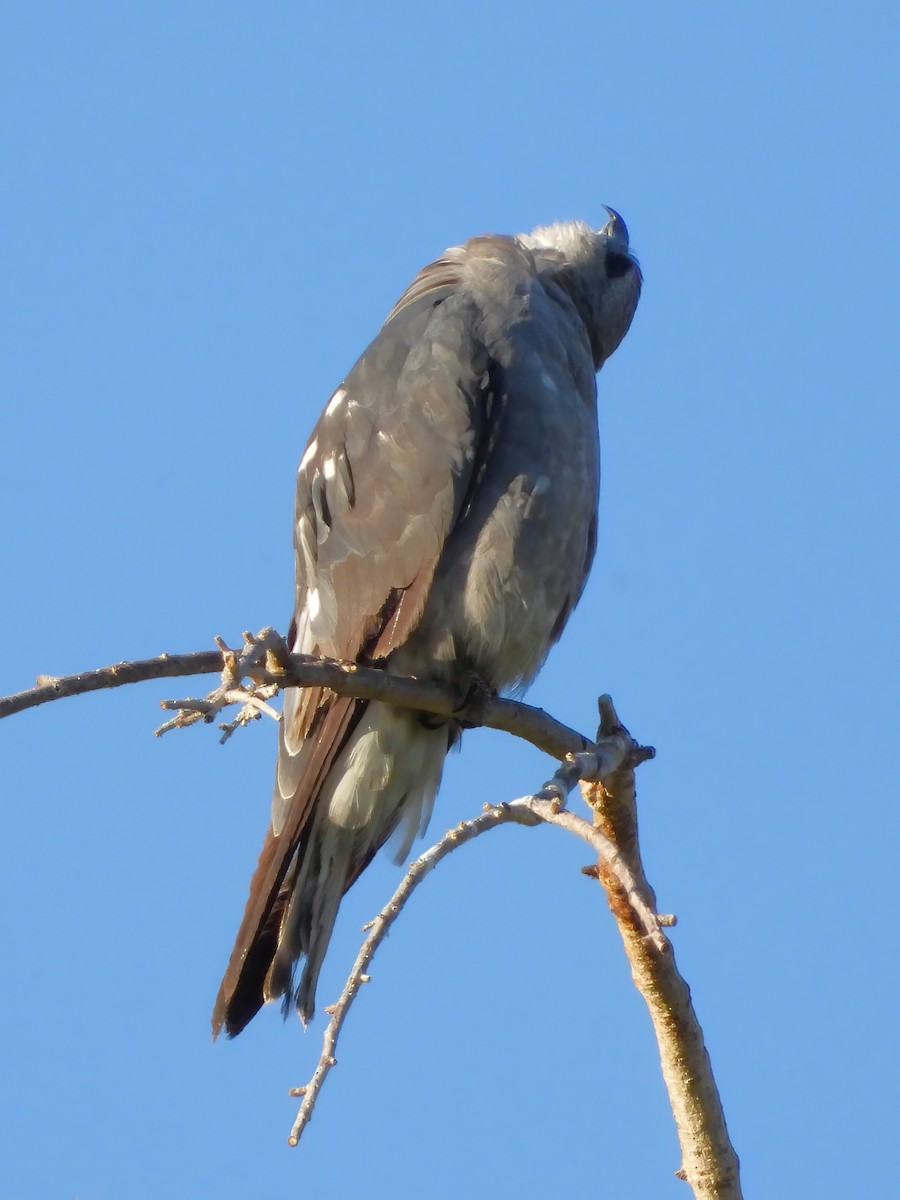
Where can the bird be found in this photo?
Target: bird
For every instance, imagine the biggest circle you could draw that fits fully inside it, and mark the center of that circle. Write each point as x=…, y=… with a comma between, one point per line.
x=444, y=527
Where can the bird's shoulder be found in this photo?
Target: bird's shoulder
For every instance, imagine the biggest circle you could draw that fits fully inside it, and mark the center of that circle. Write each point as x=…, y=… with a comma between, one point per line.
x=488, y=268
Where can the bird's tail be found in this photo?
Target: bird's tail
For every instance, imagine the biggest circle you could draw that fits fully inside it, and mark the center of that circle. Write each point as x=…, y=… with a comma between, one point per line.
x=383, y=780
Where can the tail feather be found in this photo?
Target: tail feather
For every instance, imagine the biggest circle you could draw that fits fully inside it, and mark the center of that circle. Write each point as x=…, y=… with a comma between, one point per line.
x=325, y=875
x=241, y=993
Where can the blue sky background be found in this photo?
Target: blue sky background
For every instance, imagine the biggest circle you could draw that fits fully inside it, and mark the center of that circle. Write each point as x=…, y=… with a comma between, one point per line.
x=209, y=209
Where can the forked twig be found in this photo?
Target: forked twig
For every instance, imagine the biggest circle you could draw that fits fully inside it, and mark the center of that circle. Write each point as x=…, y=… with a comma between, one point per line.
x=616, y=751
x=236, y=667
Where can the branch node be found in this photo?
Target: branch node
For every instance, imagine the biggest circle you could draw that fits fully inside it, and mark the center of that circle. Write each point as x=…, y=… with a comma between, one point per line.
x=641, y=754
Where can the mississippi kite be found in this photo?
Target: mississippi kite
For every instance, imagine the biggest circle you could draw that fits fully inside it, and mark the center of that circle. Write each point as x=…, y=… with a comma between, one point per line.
x=444, y=527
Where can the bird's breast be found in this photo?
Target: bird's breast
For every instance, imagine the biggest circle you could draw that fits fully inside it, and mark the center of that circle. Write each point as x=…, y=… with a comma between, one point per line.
x=515, y=565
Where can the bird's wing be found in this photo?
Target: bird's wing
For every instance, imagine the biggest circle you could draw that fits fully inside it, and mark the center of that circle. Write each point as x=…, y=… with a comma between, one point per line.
x=383, y=480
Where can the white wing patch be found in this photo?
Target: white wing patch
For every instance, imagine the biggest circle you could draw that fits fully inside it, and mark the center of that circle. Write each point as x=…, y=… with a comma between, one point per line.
x=309, y=454
x=306, y=540
x=335, y=402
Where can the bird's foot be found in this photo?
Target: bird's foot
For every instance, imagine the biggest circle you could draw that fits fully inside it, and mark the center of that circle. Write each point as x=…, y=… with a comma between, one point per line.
x=475, y=693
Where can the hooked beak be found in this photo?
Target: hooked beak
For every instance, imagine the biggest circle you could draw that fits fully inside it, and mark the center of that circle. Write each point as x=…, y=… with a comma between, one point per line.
x=615, y=228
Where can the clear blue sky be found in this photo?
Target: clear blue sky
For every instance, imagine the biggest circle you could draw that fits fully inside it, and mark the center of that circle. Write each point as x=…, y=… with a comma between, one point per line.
x=209, y=210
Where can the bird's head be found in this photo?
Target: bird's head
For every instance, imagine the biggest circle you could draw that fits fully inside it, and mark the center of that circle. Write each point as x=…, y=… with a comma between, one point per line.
x=599, y=272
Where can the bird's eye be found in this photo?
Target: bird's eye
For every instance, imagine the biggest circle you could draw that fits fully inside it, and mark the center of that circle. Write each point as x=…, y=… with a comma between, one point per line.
x=617, y=264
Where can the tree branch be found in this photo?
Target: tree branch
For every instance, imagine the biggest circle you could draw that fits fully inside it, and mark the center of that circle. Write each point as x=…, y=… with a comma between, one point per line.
x=709, y=1163
x=605, y=770
x=266, y=659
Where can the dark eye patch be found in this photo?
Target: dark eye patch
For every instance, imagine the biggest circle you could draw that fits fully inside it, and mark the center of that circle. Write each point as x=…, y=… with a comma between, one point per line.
x=617, y=264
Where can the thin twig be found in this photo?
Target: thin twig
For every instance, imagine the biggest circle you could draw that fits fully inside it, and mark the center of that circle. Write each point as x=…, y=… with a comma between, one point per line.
x=709, y=1163
x=269, y=663
x=616, y=752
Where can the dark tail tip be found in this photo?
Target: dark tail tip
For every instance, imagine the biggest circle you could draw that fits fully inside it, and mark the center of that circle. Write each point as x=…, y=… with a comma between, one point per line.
x=241, y=998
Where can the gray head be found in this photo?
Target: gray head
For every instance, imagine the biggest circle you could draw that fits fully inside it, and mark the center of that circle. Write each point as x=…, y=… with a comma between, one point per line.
x=598, y=271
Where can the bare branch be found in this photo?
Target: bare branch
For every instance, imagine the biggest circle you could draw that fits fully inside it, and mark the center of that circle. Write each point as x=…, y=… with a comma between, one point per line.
x=267, y=661
x=709, y=1163
x=616, y=753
